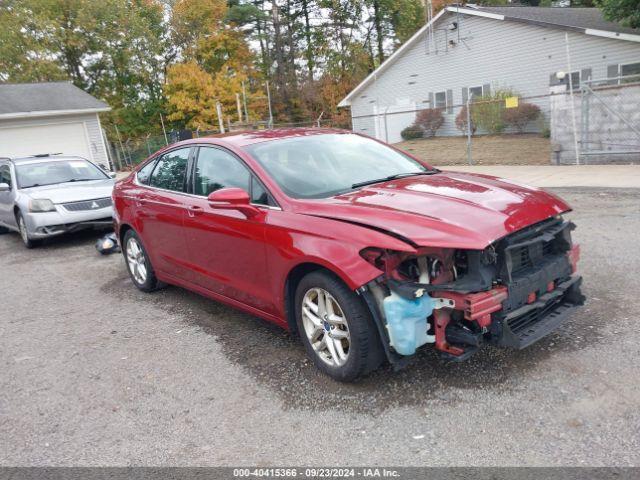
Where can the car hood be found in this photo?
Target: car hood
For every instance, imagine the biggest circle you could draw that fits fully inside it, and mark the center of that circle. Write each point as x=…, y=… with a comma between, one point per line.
x=448, y=209
x=72, y=192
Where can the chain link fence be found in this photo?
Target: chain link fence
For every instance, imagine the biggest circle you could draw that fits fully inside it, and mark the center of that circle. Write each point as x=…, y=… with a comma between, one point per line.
x=498, y=128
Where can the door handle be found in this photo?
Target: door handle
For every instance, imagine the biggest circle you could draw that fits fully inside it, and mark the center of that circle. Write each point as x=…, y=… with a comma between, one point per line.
x=194, y=210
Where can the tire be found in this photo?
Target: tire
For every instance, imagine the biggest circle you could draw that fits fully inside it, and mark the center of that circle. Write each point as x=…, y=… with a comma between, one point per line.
x=345, y=324
x=24, y=234
x=138, y=263
x=3, y=230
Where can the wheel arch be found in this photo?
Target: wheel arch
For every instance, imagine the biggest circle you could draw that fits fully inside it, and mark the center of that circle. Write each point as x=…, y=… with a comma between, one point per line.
x=297, y=273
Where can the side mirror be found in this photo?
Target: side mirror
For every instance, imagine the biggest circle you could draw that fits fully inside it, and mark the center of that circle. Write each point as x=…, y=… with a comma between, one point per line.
x=4, y=187
x=112, y=174
x=233, y=199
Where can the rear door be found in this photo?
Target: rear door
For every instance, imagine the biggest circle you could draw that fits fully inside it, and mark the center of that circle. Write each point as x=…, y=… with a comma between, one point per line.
x=160, y=208
x=226, y=248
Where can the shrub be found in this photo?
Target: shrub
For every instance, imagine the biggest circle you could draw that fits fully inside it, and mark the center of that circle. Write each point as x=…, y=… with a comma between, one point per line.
x=461, y=121
x=430, y=120
x=521, y=115
x=412, y=132
x=487, y=112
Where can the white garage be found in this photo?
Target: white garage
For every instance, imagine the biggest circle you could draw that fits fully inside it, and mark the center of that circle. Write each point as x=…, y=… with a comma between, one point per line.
x=51, y=118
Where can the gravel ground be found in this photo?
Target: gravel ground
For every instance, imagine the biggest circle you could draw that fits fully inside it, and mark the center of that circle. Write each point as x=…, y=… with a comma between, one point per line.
x=94, y=372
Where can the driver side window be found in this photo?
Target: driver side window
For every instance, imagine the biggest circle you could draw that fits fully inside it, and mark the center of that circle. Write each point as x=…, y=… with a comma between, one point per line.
x=5, y=175
x=218, y=169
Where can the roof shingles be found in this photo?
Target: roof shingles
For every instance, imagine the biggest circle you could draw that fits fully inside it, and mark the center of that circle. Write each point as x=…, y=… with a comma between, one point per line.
x=18, y=98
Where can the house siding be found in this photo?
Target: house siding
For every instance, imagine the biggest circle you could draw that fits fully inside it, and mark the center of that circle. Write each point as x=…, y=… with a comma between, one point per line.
x=90, y=121
x=502, y=54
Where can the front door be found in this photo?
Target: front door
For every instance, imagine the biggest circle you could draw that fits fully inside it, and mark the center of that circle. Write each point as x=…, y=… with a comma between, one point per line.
x=161, y=207
x=226, y=248
x=7, y=198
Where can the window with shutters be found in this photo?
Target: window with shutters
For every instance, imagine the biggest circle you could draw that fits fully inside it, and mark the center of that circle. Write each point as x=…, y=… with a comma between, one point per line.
x=441, y=100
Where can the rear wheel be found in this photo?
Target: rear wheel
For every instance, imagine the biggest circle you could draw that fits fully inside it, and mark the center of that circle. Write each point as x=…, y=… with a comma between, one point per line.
x=24, y=233
x=138, y=263
x=4, y=230
x=336, y=327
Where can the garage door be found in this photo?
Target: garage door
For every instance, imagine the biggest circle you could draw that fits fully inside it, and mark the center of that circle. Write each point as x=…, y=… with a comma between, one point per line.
x=67, y=138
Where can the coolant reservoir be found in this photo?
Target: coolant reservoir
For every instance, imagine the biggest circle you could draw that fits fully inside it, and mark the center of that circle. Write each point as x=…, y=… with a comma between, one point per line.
x=407, y=322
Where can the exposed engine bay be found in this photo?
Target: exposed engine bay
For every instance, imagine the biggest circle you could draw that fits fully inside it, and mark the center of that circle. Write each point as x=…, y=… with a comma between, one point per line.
x=511, y=294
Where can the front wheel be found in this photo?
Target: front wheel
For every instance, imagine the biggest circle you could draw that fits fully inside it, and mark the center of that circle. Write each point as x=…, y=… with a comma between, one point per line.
x=138, y=263
x=336, y=327
x=24, y=233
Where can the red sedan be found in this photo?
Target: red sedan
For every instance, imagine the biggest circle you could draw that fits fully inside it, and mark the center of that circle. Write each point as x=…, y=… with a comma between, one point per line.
x=363, y=250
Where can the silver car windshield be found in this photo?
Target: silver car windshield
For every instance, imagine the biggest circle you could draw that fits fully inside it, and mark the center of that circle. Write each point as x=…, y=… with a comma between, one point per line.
x=320, y=166
x=39, y=174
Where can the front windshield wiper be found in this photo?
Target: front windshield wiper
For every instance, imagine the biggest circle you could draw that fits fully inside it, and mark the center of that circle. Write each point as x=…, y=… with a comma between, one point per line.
x=392, y=177
x=82, y=180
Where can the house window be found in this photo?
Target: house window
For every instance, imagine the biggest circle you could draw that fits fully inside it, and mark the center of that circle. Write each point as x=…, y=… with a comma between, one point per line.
x=575, y=80
x=475, y=92
x=631, y=70
x=441, y=100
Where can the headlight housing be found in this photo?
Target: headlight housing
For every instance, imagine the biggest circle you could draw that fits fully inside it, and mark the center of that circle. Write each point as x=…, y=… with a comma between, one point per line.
x=41, y=205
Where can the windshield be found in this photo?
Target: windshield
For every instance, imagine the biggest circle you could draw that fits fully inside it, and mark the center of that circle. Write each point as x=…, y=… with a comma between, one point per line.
x=321, y=166
x=57, y=171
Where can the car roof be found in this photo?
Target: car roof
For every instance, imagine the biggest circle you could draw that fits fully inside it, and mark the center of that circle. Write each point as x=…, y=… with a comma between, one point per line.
x=42, y=158
x=241, y=139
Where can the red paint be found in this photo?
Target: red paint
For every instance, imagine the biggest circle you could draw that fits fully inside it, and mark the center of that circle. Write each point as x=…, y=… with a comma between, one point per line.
x=241, y=254
x=574, y=257
x=478, y=306
x=442, y=319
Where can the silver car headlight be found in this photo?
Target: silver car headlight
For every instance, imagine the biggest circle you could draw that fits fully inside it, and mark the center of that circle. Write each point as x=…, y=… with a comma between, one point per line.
x=41, y=205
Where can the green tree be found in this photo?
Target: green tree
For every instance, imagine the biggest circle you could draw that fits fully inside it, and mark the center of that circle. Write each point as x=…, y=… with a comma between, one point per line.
x=626, y=12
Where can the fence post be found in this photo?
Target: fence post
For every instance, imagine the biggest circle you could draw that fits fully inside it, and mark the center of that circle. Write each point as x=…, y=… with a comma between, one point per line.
x=220, y=119
x=573, y=105
x=166, y=140
x=469, y=159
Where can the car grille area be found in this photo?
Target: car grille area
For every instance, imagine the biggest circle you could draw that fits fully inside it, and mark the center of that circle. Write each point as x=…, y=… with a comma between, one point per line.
x=528, y=324
x=87, y=205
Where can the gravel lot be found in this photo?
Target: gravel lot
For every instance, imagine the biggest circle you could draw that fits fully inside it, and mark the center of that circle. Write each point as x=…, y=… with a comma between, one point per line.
x=93, y=372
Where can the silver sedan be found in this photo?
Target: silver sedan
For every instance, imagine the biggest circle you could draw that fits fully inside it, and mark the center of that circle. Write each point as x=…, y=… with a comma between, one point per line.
x=45, y=196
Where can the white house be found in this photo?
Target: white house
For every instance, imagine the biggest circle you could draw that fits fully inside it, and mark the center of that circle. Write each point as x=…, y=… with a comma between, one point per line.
x=55, y=117
x=465, y=50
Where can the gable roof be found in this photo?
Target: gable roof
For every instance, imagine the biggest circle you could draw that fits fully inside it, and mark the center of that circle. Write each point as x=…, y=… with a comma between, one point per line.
x=584, y=20
x=19, y=100
x=572, y=18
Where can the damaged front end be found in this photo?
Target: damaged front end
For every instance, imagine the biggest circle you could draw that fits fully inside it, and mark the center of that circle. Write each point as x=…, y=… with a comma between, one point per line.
x=511, y=294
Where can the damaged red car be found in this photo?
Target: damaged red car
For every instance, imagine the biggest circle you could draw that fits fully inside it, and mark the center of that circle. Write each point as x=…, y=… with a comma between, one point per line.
x=364, y=251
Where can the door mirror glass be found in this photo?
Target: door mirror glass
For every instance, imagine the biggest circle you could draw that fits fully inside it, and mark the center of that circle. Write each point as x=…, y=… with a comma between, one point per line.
x=233, y=199
x=4, y=187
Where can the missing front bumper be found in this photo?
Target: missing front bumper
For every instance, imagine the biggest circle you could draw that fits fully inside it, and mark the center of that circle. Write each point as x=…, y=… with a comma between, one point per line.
x=526, y=325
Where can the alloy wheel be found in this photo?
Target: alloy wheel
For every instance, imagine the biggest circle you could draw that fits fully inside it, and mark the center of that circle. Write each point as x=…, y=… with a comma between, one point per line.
x=326, y=327
x=136, y=260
